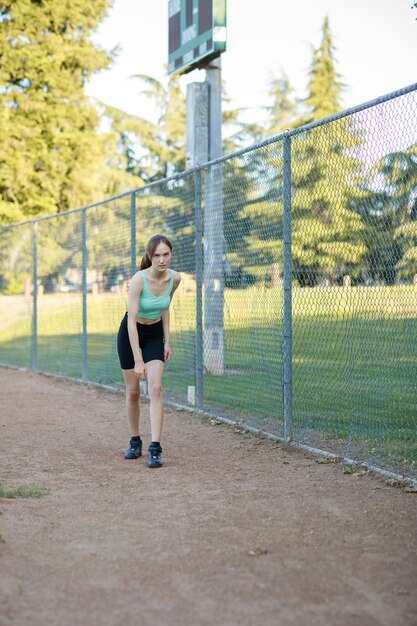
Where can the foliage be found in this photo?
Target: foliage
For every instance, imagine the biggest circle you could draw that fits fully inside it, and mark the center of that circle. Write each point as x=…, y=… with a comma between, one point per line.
x=325, y=85
x=326, y=233
x=152, y=150
x=252, y=194
x=12, y=284
x=52, y=158
x=16, y=251
x=118, y=174
x=390, y=215
x=327, y=240
x=50, y=152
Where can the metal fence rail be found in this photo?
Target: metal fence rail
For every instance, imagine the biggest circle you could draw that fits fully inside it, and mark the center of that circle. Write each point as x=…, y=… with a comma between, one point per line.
x=297, y=312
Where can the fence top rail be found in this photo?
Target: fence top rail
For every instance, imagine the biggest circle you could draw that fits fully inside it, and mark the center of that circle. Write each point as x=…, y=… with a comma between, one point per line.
x=261, y=144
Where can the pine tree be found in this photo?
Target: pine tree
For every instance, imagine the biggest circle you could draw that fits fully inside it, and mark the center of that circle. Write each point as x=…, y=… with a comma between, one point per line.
x=325, y=86
x=402, y=178
x=391, y=217
x=50, y=152
x=327, y=235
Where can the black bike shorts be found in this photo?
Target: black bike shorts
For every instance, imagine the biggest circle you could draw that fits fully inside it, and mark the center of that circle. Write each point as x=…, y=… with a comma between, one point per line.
x=151, y=342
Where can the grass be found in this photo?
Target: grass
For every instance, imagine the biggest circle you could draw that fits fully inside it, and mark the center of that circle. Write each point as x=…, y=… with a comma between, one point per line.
x=22, y=491
x=354, y=356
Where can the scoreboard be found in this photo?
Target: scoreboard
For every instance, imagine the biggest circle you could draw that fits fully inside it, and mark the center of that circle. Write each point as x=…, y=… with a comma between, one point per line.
x=196, y=33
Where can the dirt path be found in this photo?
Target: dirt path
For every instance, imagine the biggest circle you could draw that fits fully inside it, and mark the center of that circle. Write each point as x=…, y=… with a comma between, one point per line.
x=234, y=530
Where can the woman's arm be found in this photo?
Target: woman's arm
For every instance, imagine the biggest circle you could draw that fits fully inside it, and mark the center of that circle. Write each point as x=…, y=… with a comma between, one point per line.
x=165, y=320
x=165, y=326
x=135, y=289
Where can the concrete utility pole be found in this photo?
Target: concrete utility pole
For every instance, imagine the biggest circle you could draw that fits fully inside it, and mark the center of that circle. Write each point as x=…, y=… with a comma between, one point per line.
x=204, y=143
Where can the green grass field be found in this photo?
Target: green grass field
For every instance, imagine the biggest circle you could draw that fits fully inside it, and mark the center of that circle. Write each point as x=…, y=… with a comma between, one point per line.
x=354, y=356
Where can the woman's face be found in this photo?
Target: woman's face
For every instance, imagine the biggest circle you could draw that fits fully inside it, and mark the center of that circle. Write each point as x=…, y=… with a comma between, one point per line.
x=162, y=257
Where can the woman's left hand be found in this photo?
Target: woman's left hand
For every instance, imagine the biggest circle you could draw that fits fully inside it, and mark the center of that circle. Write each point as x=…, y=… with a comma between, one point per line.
x=167, y=352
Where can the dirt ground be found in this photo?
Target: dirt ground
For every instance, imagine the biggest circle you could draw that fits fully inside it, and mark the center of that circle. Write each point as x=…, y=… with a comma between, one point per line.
x=233, y=530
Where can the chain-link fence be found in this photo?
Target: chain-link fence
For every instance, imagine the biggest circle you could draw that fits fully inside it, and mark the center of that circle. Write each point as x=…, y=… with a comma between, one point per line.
x=297, y=310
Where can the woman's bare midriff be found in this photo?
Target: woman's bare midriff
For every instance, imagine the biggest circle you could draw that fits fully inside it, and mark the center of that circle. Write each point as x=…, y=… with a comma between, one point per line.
x=142, y=320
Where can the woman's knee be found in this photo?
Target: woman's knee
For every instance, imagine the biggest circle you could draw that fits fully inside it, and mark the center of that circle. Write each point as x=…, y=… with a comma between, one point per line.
x=155, y=390
x=132, y=394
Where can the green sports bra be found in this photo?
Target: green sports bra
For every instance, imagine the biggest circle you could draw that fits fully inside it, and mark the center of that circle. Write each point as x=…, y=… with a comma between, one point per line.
x=151, y=306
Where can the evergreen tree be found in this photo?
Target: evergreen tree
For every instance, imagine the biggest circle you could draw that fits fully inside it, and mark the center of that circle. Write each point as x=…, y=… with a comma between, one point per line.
x=391, y=217
x=325, y=86
x=50, y=153
x=261, y=213
x=325, y=174
x=404, y=179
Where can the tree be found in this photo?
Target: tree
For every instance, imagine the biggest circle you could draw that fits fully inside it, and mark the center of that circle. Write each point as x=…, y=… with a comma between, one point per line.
x=325, y=86
x=325, y=173
x=153, y=150
x=120, y=172
x=260, y=216
x=390, y=212
x=50, y=152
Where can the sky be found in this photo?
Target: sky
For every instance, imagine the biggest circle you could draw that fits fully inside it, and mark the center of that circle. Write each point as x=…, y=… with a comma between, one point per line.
x=375, y=49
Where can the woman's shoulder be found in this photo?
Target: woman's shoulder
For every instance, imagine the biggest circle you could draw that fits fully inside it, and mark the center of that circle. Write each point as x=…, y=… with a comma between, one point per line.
x=177, y=277
x=139, y=275
x=137, y=280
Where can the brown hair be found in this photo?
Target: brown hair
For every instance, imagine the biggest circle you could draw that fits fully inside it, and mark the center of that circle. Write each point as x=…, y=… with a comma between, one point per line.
x=151, y=246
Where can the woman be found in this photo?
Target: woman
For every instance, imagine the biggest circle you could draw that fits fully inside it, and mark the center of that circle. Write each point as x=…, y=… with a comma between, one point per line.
x=143, y=341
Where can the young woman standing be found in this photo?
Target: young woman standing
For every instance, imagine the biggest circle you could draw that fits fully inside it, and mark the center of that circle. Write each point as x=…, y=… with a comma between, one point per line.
x=143, y=342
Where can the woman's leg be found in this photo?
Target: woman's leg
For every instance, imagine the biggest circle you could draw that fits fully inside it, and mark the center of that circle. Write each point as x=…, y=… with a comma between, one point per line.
x=155, y=369
x=132, y=400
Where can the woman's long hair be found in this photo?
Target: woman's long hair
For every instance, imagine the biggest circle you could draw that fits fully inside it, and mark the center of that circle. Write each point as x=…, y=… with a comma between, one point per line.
x=151, y=246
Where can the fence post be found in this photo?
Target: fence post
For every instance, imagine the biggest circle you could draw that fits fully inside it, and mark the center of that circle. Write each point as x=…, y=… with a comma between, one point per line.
x=287, y=391
x=199, y=292
x=132, y=233
x=84, y=292
x=35, y=298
